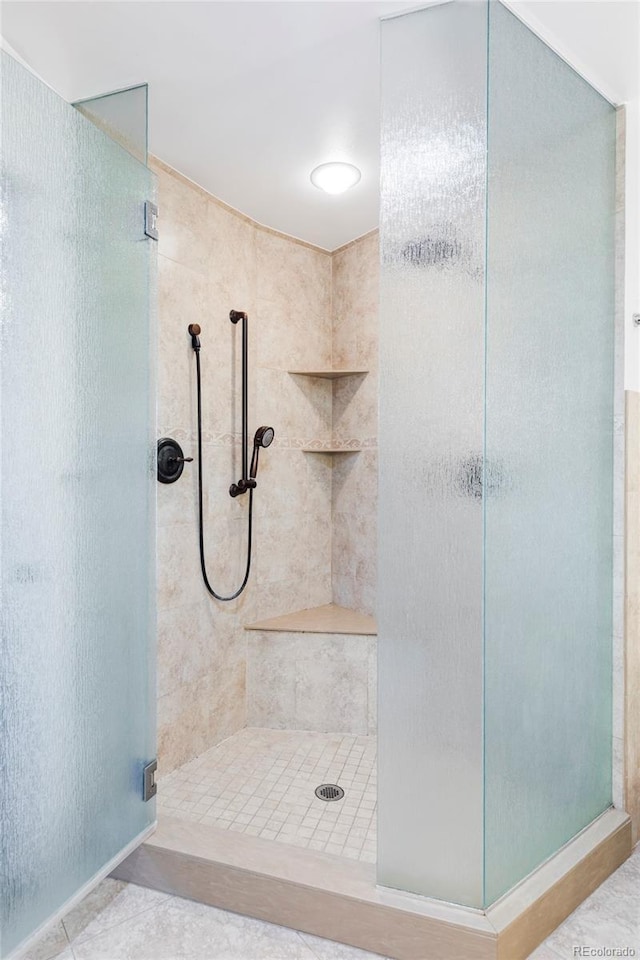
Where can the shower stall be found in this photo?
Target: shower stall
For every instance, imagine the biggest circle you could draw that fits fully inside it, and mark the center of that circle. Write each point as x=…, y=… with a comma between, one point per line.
x=498, y=519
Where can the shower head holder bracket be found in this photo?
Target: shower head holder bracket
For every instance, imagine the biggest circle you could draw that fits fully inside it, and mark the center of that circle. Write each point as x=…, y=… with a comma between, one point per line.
x=237, y=489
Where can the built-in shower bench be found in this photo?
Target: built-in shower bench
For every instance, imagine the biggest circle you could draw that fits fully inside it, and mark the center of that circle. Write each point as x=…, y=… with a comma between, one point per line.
x=329, y=618
x=313, y=669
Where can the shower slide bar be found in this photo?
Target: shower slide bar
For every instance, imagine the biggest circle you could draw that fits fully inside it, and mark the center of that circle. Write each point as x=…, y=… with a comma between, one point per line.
x=263, y=438
x=245, y=482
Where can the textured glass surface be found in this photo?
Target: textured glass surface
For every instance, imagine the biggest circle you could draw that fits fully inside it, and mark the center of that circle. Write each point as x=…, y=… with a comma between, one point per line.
x=549, y=448
x=496, y=451
x=77, y=675
x=431, y=439
x=123, y=115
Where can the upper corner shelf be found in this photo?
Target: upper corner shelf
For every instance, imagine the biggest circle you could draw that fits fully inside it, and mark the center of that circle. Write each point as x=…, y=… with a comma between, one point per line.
x=331, y=450
x=329, y=374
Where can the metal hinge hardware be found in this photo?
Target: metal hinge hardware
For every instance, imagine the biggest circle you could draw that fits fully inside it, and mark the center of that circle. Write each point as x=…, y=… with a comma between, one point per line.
x=151, y=220
x=149, y=785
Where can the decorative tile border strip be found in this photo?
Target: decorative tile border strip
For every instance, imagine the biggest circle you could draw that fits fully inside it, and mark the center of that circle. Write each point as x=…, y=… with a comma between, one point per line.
x=287, y=443
x=191, y=436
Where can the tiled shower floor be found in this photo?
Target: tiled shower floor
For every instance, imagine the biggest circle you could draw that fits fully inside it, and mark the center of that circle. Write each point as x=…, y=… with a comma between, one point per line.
x=261, y=782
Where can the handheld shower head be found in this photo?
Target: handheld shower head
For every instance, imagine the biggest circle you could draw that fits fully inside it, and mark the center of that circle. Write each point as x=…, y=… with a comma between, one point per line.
x=263, y=438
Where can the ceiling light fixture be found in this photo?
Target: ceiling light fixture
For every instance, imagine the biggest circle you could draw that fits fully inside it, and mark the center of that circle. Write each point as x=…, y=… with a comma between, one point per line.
x=335, y=177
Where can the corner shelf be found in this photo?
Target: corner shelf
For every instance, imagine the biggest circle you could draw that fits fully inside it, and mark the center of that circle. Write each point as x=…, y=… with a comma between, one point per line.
x=329, y=618
x=328, y=374
x=331, y=450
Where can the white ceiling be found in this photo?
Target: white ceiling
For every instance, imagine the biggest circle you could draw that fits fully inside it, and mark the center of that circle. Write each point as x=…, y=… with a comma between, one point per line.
x=247, y=97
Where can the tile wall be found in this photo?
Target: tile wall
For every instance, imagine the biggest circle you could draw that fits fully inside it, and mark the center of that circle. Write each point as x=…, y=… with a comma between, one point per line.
x=355, y=417
x=307, y=309
x=210, y=260
x=312, y=681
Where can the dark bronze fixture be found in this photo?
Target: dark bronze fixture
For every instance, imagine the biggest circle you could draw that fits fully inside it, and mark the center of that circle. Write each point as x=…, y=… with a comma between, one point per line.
x=194, y=330
x=264, y=435
x=171, y=460
x=243, y=484
x=263, y=438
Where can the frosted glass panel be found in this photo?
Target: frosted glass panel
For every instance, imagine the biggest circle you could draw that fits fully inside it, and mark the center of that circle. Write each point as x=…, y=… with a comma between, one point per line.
x=77, y=502
x=496, y=453
x=430, y=433
x=123, y=115
x=549, y=449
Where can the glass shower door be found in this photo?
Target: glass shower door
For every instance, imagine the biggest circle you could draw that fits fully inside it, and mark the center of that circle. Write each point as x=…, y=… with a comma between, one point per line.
x=78, y=599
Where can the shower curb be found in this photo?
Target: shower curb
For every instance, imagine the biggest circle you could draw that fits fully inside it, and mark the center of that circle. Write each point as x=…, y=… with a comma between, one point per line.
x=338, y=899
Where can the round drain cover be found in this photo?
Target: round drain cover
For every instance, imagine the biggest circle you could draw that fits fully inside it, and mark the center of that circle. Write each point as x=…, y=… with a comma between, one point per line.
x=329, y=791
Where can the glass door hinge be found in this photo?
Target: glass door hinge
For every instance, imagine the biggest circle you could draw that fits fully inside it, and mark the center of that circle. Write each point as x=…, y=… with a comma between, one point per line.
x=149, y=785
x=151, y=220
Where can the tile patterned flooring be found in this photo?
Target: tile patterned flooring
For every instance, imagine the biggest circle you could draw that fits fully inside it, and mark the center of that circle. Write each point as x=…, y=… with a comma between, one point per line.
x=261, y=782
x=120, y=921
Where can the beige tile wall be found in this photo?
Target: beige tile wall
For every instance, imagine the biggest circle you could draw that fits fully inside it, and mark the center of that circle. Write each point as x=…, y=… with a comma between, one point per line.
x=210, y=260
x=312, y=681
x=355, y=416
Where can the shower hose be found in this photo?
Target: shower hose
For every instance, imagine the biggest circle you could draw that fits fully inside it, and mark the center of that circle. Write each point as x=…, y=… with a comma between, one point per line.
x=203, y=564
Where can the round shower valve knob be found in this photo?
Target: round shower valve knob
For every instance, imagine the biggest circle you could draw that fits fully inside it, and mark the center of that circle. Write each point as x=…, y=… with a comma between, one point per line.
x=171, y=460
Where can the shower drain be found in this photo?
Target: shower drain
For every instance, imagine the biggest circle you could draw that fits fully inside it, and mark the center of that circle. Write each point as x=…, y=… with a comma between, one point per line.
x=329, y=791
